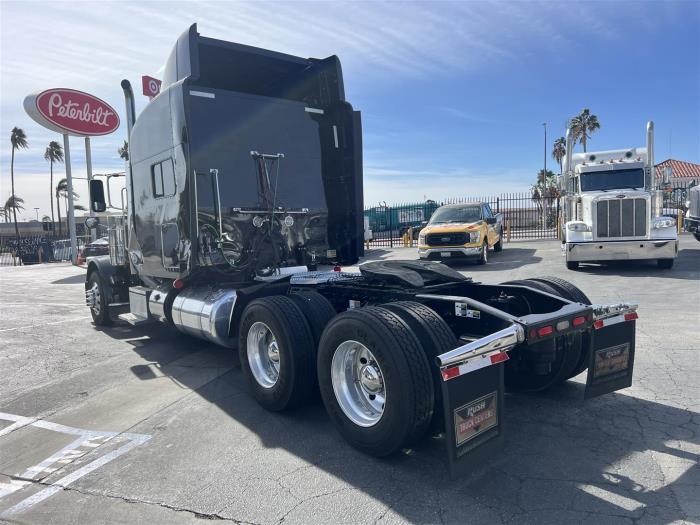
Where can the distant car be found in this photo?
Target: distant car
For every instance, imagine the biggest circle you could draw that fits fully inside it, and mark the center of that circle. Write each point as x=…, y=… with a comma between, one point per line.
x=465, y=231
x=95, y=248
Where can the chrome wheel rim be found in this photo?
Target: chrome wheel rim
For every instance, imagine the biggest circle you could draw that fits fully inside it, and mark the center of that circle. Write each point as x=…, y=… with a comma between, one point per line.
x=263, y=355
x=95, y=291
x=358, y=383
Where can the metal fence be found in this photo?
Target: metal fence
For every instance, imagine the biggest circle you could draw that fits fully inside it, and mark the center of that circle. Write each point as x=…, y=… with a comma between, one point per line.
x=47, y=247
x=524, y=217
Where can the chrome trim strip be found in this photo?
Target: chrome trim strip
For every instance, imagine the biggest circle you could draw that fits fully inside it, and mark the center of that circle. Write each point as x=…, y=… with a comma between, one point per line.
x=314, y=110
x=499, y=341
x=202, y=94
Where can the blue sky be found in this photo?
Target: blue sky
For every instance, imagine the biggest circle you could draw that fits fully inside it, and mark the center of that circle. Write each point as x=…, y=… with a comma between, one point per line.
x=453, y=95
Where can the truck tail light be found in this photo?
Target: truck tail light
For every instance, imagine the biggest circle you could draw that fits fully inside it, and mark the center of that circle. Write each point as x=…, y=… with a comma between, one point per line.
x=631, y=316
x=578, y=321
x=178, y=284
x=449, y=373
x=499, y=358
x=545, y=330
x=598, y=324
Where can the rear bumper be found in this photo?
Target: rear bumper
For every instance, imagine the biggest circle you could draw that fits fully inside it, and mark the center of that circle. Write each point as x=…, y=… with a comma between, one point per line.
x=621, y=250
x=454, y=253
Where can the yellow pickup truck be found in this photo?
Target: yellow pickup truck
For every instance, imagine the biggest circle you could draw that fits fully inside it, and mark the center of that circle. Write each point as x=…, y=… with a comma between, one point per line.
x=459, y=231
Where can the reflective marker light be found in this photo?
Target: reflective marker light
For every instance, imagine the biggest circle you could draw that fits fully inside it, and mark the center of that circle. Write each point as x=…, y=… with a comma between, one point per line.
x=449, y=373
x=598, y=324
x=178, y=284
x=578, y=321
x=499, y=358
x=545, y=330
x=562, y=325
x=631, y=316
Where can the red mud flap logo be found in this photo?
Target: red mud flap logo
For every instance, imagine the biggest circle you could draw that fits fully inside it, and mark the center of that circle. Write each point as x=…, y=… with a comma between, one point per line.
x=474, y=419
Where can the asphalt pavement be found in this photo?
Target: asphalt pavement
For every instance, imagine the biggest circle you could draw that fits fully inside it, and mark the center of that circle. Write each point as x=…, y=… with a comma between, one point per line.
x=146, y=425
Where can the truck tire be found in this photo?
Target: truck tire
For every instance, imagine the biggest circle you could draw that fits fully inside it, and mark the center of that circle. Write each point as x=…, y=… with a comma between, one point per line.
x=435, y=337
x=317, y=310
x=100, y=310
x=276, y=350
x=375, y=380
x=665, y=263
x=572, y=293
x=568, y=352
x=564, y=289
x=484, y=256
x=498, y=247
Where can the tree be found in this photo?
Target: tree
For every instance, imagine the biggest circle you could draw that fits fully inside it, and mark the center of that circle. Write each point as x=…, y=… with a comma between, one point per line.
x=558, y=151
x=124, y=151
x=53, y=153
x=14, y=203
x=19, y=141
x=583, y=125
x=544, y=193
x=62, y=191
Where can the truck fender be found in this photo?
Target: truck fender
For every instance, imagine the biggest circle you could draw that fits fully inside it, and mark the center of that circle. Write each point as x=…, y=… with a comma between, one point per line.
x=109, y=273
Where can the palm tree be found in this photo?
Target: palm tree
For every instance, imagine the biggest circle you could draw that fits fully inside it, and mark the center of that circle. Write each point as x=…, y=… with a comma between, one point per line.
x=19, y=141
x=12, y=203
x=583, y=125
x=53, y=153
x=62, y=191
x=558, y=151
x=124, y=151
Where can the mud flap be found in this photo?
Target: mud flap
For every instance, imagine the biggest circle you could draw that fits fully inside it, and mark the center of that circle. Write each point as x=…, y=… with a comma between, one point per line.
x=473, y=412
x=611, y=359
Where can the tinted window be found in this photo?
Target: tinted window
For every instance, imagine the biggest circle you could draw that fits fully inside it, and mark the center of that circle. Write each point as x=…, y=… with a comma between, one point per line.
x=168, y=178
x=612, y=180
x=163, y=177
x=456, y=214
x=157, y=177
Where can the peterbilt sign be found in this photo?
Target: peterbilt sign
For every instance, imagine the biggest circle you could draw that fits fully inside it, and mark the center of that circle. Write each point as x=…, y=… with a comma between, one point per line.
x=72, y=112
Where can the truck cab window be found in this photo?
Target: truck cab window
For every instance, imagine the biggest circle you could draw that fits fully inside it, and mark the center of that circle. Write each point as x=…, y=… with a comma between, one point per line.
x=163, y=177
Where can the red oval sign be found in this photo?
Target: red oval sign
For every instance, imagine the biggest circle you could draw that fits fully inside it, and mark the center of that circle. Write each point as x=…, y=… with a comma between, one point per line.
x=75, y=112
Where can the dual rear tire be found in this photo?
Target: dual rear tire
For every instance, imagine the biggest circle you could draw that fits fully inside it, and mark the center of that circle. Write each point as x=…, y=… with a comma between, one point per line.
x=371, y=365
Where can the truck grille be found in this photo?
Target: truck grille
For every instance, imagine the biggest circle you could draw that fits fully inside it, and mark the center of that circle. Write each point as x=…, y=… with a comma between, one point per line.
x=447, y=239
x=621, y=218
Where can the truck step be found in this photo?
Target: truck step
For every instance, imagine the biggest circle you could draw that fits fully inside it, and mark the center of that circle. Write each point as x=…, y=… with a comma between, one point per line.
x=133, y=319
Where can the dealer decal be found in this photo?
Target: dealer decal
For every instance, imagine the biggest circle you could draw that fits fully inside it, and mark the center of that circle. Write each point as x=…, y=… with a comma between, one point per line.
x=475, y=418
x=611, y=360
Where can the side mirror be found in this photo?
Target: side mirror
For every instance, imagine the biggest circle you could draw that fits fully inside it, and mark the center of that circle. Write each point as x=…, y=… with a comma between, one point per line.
x=490, y=220
x=92, y=222
x=97, y=196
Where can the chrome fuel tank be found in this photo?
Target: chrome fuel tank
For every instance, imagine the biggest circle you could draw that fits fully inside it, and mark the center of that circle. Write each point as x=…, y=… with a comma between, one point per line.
x=205, y=312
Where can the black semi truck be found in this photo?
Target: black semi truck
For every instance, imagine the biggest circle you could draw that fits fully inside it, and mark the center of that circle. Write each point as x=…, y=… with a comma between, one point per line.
x=245, y=178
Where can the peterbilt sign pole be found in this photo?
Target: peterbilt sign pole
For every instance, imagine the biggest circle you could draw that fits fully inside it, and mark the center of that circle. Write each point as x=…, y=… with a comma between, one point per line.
x=72, y=112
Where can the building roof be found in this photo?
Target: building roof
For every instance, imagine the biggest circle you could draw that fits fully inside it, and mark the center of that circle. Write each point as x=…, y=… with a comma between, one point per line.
x=680, y=168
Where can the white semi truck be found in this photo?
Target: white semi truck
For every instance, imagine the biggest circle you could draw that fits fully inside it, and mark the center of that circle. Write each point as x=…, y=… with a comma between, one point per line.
x=613, y=207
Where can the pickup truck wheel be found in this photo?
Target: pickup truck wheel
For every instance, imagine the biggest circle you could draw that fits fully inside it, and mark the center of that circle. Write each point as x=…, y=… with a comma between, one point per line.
x=499, y=245
x=435, y=337
x=484, y=255
x=665, y=263
x=276, y=349
x=374, y=379
x=98, y=307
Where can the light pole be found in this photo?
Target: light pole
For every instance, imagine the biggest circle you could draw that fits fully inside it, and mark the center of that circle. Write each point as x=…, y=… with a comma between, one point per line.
x=37, y=213
x=544, y=180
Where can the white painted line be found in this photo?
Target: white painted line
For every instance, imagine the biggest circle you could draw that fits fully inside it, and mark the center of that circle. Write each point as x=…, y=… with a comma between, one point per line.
x=18, y=423
x=612, y=498
x=203, y=94
x=45, y=324
x=62, y=458
x=43, y=304
x=25, y=504
x=314, y=110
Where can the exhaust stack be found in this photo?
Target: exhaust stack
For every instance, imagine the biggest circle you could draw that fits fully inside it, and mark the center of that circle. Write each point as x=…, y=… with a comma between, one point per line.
x=650, y=155
x=130, y=108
